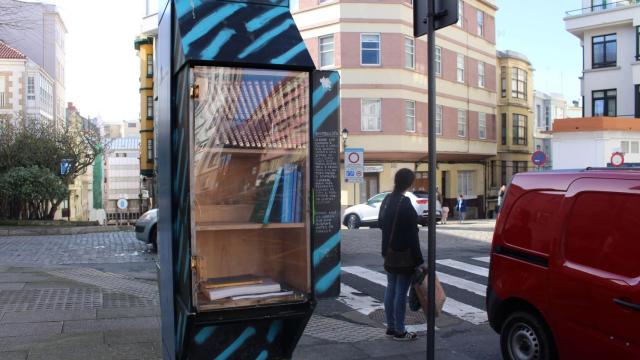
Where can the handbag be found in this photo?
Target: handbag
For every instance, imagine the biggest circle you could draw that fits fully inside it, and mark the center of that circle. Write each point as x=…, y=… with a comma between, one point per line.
x=398, y=260
x=420, y=286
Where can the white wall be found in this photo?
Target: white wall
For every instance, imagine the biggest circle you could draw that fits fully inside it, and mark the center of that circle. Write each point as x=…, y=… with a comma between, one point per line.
x=582, y=149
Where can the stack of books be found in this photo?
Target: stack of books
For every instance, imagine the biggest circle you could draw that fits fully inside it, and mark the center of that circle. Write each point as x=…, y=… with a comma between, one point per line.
x=279, y=196
x=242, y=287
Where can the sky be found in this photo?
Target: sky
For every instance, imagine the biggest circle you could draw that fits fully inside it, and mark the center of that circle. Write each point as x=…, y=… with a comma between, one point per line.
x=103, y=69
x=536, y=29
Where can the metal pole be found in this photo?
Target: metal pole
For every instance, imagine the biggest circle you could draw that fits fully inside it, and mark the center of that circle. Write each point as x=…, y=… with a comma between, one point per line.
x=431, y=250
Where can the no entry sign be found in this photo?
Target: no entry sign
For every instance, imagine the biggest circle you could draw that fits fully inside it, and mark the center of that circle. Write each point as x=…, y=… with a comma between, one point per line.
x=354, y=165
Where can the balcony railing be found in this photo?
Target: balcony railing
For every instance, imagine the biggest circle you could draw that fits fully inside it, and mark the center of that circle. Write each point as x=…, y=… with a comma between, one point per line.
x=602, y=7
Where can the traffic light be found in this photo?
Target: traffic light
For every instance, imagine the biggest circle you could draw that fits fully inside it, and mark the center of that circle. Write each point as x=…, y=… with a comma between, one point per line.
x=446, y=14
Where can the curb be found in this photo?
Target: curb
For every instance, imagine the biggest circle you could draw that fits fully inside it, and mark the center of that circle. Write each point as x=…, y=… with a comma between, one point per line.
x=55, y=230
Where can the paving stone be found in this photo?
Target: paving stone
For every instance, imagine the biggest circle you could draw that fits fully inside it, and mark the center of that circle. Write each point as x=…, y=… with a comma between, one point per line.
x=43, y=328
x=57, y=284
x=40, y=341
x=22, y=277
x=389, y=347
x=140, y=351
x=11, y=286
x=111, y=313
x=341, y=331
x=111, y=324
x=308, y=340
x=337, y=351
x=112, y=337
x=47, y=315
x=13, y=355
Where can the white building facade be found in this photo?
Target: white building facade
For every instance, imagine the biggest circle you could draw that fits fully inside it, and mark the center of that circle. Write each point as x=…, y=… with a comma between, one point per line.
x=40, y=35
x=547, y=108
x=26, y=90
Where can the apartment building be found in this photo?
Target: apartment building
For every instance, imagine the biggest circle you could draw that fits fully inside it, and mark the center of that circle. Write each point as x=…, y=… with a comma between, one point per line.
x=39, y=33
x=122, y=179
x=515, y=117
x=547, y=108
x=610, y=38
x=384, y=91
x=26, y=90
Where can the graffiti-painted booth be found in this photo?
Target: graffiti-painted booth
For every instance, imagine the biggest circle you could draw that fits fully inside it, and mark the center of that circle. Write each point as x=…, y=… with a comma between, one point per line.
x=248, y=151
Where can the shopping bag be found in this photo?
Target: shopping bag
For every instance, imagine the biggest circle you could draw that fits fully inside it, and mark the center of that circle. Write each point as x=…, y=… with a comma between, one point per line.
x=422, y=293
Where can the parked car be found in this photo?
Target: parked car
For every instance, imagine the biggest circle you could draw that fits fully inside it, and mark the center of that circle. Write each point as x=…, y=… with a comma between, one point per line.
x=147, y=228
x=564, y=279
x=366, y=214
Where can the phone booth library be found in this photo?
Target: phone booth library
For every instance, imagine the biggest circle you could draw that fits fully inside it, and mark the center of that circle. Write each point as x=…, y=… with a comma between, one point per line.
x=249, y=221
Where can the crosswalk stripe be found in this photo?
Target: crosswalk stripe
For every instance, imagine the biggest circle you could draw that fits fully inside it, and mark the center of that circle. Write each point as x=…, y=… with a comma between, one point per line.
x=358, y=301
x=463, y=311
x=483, y=259
x=463, y=284
x=478, y=270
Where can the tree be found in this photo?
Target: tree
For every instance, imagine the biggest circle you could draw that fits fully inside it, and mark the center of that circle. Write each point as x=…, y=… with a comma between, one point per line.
x=29, y=192
x=47, y=147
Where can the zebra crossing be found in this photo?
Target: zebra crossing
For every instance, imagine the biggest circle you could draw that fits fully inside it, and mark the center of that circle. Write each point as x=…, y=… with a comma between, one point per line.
x=464, y=281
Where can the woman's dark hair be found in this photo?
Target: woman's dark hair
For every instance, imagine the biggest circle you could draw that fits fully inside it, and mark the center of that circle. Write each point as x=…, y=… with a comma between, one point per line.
x=403, y=180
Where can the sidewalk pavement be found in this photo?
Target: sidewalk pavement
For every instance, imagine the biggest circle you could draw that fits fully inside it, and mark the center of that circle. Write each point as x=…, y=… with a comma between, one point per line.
x=81, y=304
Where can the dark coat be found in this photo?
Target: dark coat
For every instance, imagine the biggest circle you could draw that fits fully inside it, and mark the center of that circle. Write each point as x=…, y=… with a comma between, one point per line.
x=406, y=233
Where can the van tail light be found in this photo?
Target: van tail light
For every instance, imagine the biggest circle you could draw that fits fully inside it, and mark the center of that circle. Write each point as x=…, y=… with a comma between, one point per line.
x=422, y=201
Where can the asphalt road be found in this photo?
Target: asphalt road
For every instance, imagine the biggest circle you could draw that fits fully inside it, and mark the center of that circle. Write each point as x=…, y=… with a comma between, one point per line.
x=462, y=256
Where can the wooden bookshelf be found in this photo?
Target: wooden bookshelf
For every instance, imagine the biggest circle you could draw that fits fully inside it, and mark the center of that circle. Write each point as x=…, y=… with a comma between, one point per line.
x=213, y=226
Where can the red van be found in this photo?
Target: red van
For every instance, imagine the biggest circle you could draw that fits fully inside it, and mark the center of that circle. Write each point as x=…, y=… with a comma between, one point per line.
x=564, y=279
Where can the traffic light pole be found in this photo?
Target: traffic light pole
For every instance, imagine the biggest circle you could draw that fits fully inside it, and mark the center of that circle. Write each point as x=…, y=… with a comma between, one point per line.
x=431, y=249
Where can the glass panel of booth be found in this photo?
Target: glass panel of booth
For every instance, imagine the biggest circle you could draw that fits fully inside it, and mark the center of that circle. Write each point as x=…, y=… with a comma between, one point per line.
x=249, y=186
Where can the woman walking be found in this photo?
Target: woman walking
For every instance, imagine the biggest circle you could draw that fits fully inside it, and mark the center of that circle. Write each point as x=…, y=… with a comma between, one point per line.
x=461, y=208
x=401, y=252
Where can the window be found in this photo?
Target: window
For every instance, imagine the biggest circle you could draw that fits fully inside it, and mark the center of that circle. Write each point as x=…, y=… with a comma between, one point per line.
x=539, y=123
x=624, y=145
x=519, y=166
x=503, y=81
x=637, y=101
x=603, y=51
x=410, y=115
x=503, y=129
x=637, y=42
x=519, y=129
x=149, y=107
x=326, y=50
x=462, y=123
x=547, y=117
x=460, y=67
x=371, y=115
x=503, y=172
x=438, y=61
x=149, y=65
x=460, y=14
x=370, y=49
x=480, y=22
x=480, y=74
x=518, y=83
x=439, y=119
x=597, y=5
x=409, y=53
x=465, y=183
x=604, y=103
x=634, y=147
x=149, y=150
x=31, y=88
x=609, y=248
x=482, y=125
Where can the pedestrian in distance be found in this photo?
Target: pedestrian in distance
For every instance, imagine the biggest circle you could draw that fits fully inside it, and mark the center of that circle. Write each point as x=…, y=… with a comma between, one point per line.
x=401, y=253
x=501, y=193
x=445, y=214
x=461, y=208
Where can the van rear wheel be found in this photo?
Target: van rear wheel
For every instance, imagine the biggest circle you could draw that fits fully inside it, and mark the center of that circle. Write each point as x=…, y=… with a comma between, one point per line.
x=525, y=337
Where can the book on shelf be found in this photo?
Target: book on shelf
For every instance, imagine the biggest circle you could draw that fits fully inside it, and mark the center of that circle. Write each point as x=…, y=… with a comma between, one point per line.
x=266, y=194
x=273, y=197
x=264, y=296
x=249, y=285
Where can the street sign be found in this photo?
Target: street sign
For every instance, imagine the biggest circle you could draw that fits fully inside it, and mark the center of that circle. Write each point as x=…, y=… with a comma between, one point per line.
x=617, y=159
x=538, y=158
x=122, y=204
x=65, y=166
x=354, y=165
x=446, y=14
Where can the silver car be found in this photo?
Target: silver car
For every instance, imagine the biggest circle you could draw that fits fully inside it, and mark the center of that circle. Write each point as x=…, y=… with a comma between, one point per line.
x=147, y=228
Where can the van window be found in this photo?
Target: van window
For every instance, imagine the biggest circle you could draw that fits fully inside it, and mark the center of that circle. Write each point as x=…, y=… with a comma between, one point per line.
x=603, y=232
x=529, y=223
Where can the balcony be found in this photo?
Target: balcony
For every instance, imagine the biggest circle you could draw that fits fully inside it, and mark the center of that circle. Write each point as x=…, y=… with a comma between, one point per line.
x=599, y=16
x=602, y=7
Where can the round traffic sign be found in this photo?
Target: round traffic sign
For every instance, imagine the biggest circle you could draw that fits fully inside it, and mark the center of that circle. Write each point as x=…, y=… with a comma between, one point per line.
x=122, y=204
x=539, y=158
x=617, y=159
x=354, y=157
